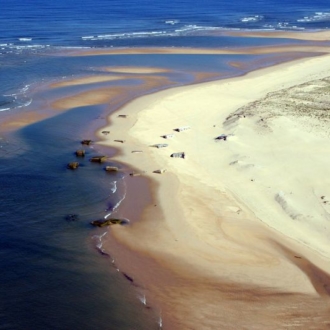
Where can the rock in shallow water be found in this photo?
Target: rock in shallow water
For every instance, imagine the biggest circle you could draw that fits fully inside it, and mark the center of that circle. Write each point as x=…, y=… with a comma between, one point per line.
x=109, y=222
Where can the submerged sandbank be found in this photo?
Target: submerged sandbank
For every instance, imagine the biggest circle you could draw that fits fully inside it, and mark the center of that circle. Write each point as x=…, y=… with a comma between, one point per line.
x=237, y=234
x=271, y=49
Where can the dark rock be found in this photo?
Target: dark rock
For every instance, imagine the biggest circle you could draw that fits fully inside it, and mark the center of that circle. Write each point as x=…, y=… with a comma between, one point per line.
x=80, y=153
x=128, y=277
x=178, y=155
x=71, y=217
x=98, y=159
x=109, y=222
x=221, y=137
x=111, y=168
x=73, y=165
x=86, y=142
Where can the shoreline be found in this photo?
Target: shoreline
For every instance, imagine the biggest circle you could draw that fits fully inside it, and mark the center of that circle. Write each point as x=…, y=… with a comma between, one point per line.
x=171, y=269
x=139, y=236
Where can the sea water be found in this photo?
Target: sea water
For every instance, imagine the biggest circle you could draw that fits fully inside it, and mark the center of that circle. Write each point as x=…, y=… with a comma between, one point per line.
x=52, y=275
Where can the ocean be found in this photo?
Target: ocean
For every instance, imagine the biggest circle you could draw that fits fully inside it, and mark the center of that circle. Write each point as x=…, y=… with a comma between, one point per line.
x=53, y=275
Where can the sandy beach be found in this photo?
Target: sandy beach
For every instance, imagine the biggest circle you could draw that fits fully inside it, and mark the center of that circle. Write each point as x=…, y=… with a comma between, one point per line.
x=236, y=236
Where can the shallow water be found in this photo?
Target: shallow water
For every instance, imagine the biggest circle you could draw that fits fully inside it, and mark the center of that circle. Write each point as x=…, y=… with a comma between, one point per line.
x=53, y=277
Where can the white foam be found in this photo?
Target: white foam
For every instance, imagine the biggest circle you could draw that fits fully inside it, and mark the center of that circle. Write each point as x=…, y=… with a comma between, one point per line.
x=172, y=21
x=117, y=205
x=25, y=39
x=143, y=299
x=160, y=322
x=316, y=17
x=87, y=37
x=255, y=18
x=99, y=242
x=282, y=26
x=114, y=186
x=159, y=33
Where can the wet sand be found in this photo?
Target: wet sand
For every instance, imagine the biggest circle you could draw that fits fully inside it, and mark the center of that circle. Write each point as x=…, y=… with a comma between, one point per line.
x=236, y=235
x=200, y=51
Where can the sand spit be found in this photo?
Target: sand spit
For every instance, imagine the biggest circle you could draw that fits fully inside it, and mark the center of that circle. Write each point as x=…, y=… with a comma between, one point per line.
x=237, y=234
x=313, y=36
x=190, y=51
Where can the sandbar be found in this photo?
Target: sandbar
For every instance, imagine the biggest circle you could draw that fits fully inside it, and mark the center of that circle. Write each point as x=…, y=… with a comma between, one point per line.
x=299, y=35
x=211, y=51
x=85, y=80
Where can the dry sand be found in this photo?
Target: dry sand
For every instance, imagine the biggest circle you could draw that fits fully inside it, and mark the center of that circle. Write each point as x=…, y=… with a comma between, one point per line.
x=313, y=36
x=237, y=236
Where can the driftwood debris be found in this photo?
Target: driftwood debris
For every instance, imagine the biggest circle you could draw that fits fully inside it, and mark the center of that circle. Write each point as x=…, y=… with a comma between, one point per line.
x=111, y=168
x=160, y=145
x=161, y=171
x=136, y=173
x=137, y=151
x=221, y=137
x=167, y=136
x=128, y=278
x=178, y=155
x=121, y=141
x=182, y=128
x=122, y=116
x=109, y=222
x=105, y=132
x=73, y=165
x=86, y=142
x=98, y=159
x=80, y=153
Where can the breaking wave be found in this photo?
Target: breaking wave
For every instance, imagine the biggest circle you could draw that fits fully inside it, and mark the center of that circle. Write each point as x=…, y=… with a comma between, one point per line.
x=316, y=17
x=255, y=18
x=184, y=30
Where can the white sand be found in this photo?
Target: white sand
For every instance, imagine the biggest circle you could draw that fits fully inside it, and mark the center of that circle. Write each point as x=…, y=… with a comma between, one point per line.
x=315, y=36
x=220, y=209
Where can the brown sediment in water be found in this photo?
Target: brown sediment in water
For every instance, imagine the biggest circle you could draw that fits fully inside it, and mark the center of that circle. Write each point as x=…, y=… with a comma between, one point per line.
x=204, y=252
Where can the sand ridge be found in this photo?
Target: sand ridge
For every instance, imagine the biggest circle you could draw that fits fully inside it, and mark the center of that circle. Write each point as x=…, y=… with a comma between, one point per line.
x=189, y=50
x=218, y=212
x=310, y=35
